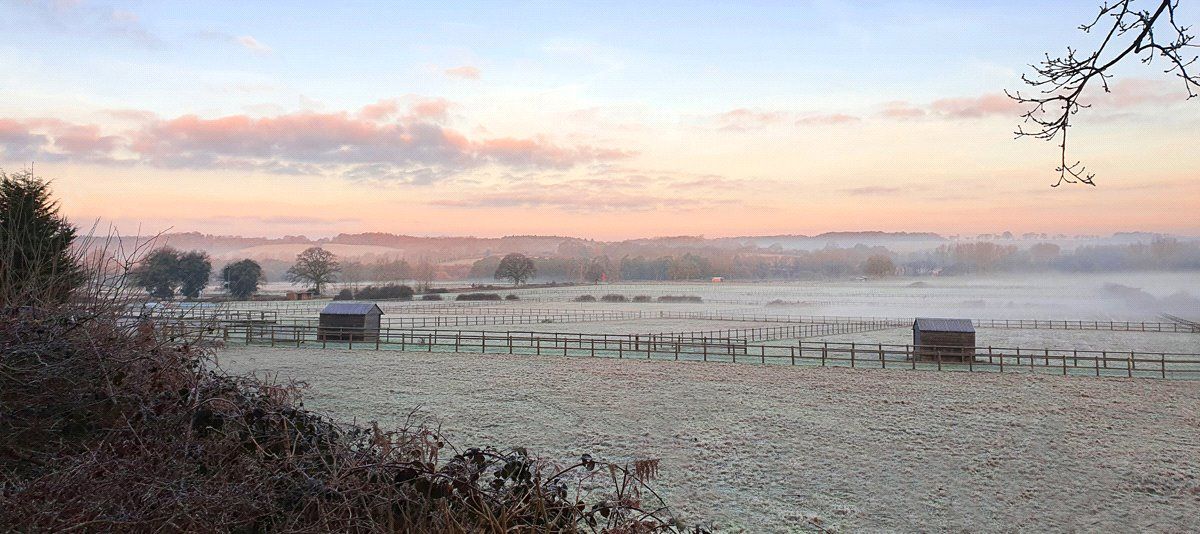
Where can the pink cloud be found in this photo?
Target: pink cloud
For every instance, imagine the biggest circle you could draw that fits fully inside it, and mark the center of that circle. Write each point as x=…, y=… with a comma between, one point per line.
x=901, y=110
x=252, y=44
x=433, y=109
x=1132, y=92
x=54, y=140
x=419, y=109
x=976, y=107
x=465, y=72
x=380, y=110
x=826, y=120
x=743, y=119
x=413, y=148
x=84, y=139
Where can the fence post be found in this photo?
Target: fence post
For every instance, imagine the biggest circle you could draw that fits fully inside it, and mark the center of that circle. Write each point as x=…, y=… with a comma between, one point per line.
x=1163, y=360
x=1131, y=364
x=851, y=355
x=824, y=352
x=882, y=360
x=911, y=354
x=793, y=355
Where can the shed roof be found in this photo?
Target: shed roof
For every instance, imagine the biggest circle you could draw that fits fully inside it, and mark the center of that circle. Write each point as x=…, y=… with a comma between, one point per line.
x=351, y=308
x=930, y=324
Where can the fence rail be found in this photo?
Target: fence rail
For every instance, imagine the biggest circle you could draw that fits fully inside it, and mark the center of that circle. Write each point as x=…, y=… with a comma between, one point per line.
x=489, y=314
x=685, y=347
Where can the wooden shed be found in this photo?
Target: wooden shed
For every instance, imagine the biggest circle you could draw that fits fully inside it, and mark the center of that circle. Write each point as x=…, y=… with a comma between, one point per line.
x=949, y=339
x=350, y=321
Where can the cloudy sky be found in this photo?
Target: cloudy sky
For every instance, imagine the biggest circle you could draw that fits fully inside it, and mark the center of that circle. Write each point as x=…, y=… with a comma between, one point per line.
x=594, y=119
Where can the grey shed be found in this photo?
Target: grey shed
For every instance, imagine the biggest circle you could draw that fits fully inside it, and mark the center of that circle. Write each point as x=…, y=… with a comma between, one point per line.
x=945, y=339
x=350, y=321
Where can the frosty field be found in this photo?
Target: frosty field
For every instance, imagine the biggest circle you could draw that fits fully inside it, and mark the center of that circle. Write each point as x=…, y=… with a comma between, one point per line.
x=775, y=449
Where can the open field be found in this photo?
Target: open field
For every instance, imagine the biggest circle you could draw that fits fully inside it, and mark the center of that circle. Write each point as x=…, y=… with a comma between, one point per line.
x=767, y=448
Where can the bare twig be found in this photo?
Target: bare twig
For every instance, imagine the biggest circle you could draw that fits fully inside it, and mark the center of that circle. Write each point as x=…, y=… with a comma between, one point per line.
x=1059, y=82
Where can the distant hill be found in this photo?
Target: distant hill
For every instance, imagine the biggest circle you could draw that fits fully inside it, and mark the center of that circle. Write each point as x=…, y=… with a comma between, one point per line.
x=891, y=240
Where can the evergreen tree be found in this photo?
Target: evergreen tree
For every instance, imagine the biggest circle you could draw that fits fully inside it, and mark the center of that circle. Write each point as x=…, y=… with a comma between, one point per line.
x=194, y=271
x=241, y=278
x=37, y=265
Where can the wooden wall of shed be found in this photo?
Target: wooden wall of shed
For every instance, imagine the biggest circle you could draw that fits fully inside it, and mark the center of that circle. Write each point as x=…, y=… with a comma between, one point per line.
x=951, y=345
x=336, y=327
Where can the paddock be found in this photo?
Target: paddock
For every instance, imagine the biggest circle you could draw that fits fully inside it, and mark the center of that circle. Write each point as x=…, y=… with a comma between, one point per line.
x=766, y=448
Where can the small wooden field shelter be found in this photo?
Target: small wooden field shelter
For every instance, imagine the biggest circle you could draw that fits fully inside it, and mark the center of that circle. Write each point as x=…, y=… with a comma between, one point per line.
x=350, y=321
x=949, y=339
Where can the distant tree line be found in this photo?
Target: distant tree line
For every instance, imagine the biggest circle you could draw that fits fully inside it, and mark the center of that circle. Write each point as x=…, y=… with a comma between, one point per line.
x=1163, y=253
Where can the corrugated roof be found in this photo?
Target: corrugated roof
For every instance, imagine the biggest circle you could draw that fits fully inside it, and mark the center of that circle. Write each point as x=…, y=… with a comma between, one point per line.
x=930, y=324
x=350, y=308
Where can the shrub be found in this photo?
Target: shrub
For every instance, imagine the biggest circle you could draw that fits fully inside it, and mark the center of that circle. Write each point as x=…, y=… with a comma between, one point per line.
x=344, y=294
x=511, y=296
x=679, y=298
x=584, y=298
x=93, y=411
x=781, y=302
x=642, y=298
x=388, y=291
x=477, y=296
x=431, y=296
x=613, y=298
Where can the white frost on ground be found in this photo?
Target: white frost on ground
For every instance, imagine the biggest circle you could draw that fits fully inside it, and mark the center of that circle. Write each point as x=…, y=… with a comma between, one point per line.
x=769, y=448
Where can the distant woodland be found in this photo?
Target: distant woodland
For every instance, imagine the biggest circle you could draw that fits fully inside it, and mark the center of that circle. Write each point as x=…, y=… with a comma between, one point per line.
x=388, y=257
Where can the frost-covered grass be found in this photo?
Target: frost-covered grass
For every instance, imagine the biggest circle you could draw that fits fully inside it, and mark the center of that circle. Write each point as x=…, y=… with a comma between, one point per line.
x=771, y=448
x=1045, y=339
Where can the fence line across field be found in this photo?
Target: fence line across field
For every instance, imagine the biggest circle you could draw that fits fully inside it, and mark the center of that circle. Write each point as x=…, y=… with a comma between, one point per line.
x=1166, y=365
x=545, y=315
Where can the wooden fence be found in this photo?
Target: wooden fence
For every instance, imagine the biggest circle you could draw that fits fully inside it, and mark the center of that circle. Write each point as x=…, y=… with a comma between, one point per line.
x=514, y=316
x=677, y=347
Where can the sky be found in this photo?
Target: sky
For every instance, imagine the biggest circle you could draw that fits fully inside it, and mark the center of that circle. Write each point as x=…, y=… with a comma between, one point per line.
x=603, y=120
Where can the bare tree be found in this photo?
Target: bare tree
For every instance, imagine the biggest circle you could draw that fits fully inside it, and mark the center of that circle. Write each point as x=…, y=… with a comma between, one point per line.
x=515, y=267
x=316, y=267
x=425, y=273
x=1059, y=82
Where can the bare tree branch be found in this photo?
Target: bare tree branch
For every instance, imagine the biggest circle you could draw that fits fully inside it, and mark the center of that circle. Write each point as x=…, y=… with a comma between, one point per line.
x=1059, y=82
